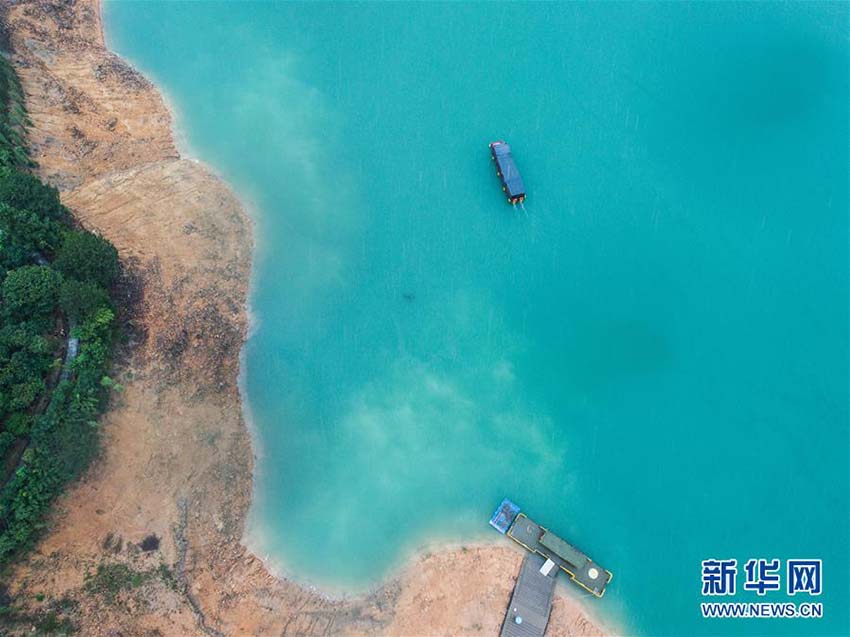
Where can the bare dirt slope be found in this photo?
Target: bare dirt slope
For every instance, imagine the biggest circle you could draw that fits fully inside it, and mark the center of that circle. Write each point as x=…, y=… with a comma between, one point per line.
x=177, y=456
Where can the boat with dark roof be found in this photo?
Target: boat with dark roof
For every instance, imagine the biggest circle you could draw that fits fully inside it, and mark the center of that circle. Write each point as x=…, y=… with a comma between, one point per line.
x=508, y=172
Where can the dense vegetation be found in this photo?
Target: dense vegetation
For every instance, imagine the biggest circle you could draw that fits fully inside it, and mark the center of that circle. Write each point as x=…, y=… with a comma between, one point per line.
x=13, y=119
x=54, y=295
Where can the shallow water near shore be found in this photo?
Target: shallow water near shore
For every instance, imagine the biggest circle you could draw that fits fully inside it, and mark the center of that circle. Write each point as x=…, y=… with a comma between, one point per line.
x=652, y=359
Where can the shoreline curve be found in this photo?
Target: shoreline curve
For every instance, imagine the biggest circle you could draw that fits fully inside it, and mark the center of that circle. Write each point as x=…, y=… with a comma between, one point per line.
x=178, y=453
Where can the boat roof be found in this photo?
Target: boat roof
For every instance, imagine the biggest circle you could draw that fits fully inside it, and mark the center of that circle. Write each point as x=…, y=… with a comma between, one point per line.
x=504, y=516
x=510, y=173
x=501, y=148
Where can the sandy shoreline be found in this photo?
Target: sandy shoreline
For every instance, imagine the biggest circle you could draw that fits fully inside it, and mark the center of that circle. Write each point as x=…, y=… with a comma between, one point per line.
x=177, y=459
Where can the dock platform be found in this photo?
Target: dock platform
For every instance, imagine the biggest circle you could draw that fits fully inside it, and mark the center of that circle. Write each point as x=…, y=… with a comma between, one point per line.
x=581, y=569
x=540, y=541
x=531, y=602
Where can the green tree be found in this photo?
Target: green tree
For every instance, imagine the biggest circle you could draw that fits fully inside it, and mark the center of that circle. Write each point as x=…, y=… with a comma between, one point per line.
x=30, y=292
x=22, y=395
x=26, y=192
x=6, y=440
x=87, y=257
x=81, y=299
x=23, y=234
x=19, y=424
x=25, y=357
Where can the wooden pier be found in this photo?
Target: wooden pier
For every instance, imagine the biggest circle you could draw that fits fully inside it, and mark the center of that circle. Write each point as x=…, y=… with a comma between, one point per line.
x=531, y=602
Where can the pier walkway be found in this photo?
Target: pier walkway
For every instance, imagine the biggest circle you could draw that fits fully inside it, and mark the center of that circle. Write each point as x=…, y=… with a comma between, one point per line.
x=531, y=602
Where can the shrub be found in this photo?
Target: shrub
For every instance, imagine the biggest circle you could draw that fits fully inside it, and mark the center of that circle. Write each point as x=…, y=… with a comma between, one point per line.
x=97, y=327
x=87, y=257
x=110, y=580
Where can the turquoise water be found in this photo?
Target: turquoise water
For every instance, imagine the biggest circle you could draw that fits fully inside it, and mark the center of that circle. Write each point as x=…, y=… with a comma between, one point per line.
x=652, y=360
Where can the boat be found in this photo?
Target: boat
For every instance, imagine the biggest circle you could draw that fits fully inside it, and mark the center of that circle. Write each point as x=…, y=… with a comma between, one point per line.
x=507, y=171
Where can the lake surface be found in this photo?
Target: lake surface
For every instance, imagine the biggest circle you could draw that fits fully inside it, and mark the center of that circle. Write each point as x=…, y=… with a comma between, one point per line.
x=651, y=358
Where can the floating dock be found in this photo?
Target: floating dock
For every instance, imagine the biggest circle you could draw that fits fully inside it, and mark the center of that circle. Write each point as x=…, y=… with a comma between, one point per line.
x=531, y=602
x=509, y=521
x=508, y=172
